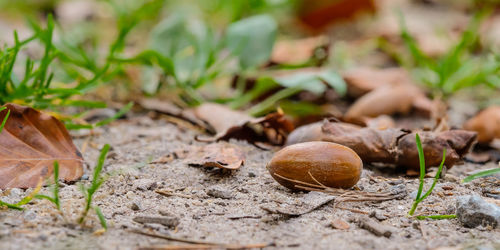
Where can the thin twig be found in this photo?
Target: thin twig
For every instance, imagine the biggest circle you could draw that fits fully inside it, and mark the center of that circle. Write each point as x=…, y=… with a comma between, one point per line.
x=197, y=243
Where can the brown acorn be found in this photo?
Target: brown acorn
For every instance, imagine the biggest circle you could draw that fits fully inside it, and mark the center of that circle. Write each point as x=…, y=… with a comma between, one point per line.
x=331, y=164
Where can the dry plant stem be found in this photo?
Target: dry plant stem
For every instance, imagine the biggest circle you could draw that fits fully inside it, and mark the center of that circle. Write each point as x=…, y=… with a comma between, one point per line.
x=343, y=195
x=198, y=242
x=169, y=193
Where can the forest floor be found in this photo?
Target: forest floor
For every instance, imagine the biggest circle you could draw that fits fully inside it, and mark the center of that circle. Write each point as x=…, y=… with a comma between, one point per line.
x=151, y=156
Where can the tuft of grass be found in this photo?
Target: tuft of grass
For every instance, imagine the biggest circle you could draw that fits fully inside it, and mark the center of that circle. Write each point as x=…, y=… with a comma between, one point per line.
x=461, y=67
x=27, y=199
x=421, y=158
x=89, y=191
x=55, y=189
x=481, y=174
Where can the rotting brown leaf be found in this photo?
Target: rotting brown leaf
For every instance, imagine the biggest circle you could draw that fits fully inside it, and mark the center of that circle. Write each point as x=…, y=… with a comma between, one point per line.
x=486, y=124
x=230, y=124
x=362, y=80
x=221, y=155
x=389, y=99
x=297, y=51
x=171, y=109
x=389, y=146
x=30, y=143
x=226, y=123
x=384, y=92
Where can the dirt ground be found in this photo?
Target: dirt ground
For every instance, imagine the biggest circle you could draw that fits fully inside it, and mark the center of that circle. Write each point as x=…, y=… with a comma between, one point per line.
x=226, y=207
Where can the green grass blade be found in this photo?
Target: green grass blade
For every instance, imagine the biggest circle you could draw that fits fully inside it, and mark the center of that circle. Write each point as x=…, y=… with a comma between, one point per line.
x=421, y=159
x=101, y=217
x=436, y=178
x=100, y=164
x=481, y=174
x=120, y=113
x=437, y=217
x=4, y=119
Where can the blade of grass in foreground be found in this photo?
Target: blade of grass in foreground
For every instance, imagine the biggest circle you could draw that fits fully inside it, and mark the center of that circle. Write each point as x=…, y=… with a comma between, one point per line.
x=481, y=174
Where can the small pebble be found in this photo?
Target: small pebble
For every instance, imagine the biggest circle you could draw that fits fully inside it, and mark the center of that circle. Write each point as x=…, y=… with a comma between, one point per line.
x=473, y=211
x=136, y=206
x=218, y=192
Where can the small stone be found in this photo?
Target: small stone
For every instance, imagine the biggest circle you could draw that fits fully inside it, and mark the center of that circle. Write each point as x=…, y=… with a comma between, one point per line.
x=29, y=215
x=218, y=192
x=395, y=182
x=413, y=195
x=338, y=223
x=136, y=206
x=472, y=211
x=15, y=192
x=399, y=190
x=377, y=215
x=144, y=184
x=166, y=221
x=251, y=174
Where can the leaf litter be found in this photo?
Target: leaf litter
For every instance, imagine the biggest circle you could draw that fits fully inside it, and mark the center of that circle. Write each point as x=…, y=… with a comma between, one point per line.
x=30, y=143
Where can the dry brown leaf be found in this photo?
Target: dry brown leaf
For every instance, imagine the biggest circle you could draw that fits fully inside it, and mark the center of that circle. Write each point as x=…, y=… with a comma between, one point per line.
x=228, y=123
x=318, y=14
x=220, y=155
x=30, y=143
x=171, y=109
x=486, y=124
x=296, y=51
x=387, y=100
x=339, y=223
x=362, y=80
x=389, y=146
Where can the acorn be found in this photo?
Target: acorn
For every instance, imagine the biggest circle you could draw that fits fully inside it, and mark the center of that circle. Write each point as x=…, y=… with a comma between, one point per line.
x=318, y=163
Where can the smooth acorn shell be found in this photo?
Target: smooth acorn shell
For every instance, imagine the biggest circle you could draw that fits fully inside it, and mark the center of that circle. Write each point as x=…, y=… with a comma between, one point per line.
x=331, y=164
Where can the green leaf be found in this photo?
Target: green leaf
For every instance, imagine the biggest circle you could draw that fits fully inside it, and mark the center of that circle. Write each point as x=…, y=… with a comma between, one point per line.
x=304, y=80
x=252, y=40
x=188, y=42
x=335, y=81
x=313, y=81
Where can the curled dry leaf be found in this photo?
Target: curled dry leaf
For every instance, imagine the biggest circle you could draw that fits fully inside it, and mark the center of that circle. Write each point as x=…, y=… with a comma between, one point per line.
x=389, y=146
x=387, y=100
x=317, y=15
x=362, y=80
x=384, y=92
x=227, y=123
x=297, y=51
x=30, y=143
x=220, y=155
x=486, y=124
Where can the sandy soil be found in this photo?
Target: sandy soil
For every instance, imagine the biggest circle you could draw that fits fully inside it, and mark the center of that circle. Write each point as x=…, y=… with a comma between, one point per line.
x=226, y=207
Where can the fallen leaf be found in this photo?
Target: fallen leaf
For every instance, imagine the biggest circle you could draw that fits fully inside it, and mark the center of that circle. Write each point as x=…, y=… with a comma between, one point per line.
x=362, y=80
x=486, y=124
x=297, y=51
x=30, y=143
x=338, y=223
x=318, y=14
x=387, y=100
x=228, y=123
x=220, y=155
x=390, y=146
x=171, y=109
